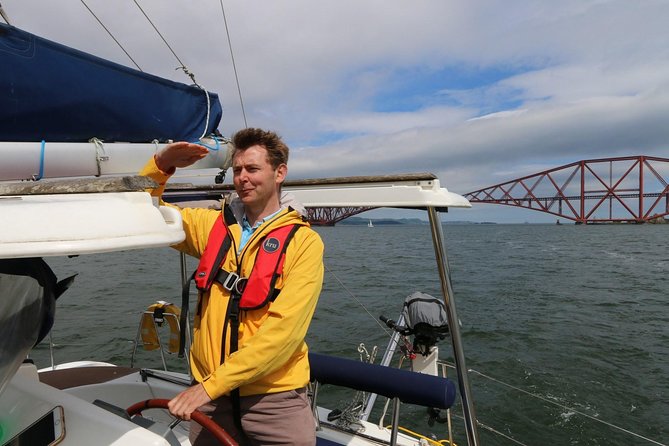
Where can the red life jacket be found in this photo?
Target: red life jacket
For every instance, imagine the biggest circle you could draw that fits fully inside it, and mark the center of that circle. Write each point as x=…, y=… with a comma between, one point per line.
x=259, y=287
x=246, y=293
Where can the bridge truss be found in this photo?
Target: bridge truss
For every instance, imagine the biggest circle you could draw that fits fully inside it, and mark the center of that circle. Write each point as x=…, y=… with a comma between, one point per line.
x=627, y=189
x=331, y=216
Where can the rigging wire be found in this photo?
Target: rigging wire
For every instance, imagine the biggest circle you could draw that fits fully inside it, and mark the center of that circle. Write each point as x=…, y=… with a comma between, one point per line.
x=383, y=327
x=111, y=35
x=234, y=65
x=483, y=375
x=562, y=406
x=533, y=395
x=4, y=15
x=182, y=66
x=159, y=34
x=493, y=430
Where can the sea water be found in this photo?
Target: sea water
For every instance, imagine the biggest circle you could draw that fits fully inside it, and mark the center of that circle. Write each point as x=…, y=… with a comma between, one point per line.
x=565, y=328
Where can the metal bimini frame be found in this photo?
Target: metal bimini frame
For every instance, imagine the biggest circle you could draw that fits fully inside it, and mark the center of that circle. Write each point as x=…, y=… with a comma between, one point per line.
x=454, y=326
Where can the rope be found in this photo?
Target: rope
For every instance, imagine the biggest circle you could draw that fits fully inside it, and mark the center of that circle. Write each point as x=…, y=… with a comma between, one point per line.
x=190, y=74
x=423, y=437
x=234, y=66
x=206, y=120
x=218, y=140
x=111, y=35
x=562, y=406
x=100, y=154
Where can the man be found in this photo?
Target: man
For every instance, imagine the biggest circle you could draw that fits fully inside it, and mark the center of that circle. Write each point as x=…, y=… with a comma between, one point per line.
x=269, y=365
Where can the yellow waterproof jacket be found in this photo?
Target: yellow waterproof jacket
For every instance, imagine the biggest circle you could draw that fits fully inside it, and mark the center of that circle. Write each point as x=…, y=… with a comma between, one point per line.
x=272, y=355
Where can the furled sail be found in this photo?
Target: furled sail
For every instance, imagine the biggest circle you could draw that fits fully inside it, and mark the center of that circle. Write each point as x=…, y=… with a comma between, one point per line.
x=55, y=93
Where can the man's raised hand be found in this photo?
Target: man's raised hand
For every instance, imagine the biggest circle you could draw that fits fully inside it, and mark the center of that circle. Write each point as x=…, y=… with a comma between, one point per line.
x=179, y=154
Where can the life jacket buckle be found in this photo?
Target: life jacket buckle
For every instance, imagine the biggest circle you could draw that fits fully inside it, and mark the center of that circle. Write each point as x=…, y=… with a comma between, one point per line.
x=240, y=285
x=234, y=283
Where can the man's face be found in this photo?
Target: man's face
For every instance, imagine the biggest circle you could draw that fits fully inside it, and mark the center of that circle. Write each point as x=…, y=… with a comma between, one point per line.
x=256, y=181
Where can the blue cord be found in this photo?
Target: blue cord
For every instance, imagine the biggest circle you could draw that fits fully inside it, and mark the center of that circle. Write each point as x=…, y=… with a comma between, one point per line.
x=215, y=149
x=41, y=163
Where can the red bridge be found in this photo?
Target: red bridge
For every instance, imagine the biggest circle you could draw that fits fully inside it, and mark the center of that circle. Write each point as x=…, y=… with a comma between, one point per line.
x=331, y=216
x=631, y=189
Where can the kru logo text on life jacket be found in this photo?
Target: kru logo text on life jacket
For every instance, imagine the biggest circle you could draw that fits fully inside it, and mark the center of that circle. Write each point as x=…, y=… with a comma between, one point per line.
x=271, y=245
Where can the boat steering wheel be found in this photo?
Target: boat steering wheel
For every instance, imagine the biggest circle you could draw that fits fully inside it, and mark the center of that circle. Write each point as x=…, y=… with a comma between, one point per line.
x=214, y=429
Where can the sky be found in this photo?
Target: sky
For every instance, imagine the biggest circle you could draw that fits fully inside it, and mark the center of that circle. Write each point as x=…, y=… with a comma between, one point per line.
x=476, y=92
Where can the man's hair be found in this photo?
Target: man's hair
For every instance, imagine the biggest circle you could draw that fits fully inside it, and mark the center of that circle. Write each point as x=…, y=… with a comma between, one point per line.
x=277, y=150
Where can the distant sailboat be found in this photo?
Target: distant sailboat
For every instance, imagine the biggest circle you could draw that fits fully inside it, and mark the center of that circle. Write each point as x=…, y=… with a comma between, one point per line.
x=370, y=225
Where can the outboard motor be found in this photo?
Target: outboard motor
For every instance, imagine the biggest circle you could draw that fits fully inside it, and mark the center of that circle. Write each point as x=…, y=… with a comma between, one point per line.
x=426, y=319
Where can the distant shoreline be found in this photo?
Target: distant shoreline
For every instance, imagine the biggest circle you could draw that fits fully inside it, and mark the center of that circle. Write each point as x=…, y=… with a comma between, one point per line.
x=359, y=221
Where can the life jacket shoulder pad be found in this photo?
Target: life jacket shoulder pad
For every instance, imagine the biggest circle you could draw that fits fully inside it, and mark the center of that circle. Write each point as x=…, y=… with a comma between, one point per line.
x=261, y=285
x=218, y=245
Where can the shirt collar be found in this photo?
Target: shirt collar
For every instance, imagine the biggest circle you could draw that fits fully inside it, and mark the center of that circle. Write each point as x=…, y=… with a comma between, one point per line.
x=246, y=225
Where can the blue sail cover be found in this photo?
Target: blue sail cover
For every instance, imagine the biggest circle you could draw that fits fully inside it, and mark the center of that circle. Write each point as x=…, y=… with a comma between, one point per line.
x=55, y=93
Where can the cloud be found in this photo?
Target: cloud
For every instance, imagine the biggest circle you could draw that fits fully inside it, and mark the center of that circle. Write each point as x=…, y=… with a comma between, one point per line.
x=472, y=91
x=599, y=127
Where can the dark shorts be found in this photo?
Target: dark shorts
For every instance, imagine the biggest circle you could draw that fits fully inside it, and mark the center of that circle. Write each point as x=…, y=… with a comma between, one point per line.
x=283, y=418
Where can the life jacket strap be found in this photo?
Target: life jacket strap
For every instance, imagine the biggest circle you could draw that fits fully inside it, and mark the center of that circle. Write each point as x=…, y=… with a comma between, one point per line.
x=233, y=317
x=183, y=318
x=236, y=408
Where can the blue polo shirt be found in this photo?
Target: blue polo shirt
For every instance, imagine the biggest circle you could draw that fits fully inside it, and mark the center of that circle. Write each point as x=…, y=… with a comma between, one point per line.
x=247, y=230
